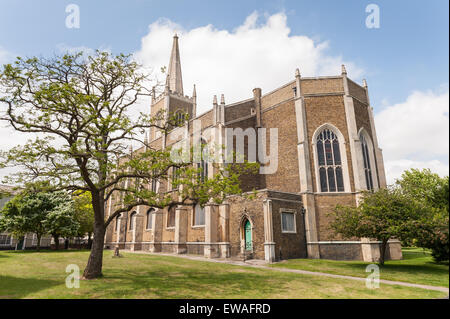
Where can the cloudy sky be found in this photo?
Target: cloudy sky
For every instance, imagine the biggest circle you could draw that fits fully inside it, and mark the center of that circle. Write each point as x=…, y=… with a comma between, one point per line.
x=230, y=47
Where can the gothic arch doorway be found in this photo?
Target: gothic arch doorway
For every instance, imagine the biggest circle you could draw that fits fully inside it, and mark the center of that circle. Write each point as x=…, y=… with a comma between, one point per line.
x=246, y=235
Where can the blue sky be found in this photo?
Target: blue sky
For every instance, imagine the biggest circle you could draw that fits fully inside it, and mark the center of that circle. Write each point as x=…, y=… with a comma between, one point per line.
x=409, y=51
x=404, y=61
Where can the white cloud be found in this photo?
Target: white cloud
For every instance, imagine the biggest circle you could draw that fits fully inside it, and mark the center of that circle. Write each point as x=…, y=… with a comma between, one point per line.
x=253, y=55
x=415, y=133
x=395, y=168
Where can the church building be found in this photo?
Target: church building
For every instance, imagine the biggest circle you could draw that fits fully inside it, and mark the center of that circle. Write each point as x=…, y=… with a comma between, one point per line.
x=327, y=154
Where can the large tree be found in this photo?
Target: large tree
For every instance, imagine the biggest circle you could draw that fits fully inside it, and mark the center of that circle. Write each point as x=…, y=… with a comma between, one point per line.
x=36, y=212
x=80, y=108
x=382, y=215
x=430, y=193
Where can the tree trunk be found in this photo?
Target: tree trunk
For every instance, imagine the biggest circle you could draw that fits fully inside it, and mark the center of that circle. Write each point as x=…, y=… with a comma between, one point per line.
x=94, y=266
x=66, y=243
x=383, y=251
x=38, y=245
x=56, y=238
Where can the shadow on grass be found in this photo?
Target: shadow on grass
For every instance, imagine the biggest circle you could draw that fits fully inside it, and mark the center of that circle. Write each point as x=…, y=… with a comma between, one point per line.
x=15, y=288
x=198, y=284
x=32, y=251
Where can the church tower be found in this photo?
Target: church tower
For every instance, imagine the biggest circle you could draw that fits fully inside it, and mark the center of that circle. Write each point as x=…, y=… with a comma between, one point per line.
x=172, y=99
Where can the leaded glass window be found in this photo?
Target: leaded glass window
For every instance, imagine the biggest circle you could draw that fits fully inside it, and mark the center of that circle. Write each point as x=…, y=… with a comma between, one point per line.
x=203, y=165
x=287, y=222
x=367, y=165
x=149, y=218
x=199, y=215
x=329, y=162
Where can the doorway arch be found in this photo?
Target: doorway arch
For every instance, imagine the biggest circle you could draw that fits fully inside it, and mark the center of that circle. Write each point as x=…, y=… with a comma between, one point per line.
x=246, y=234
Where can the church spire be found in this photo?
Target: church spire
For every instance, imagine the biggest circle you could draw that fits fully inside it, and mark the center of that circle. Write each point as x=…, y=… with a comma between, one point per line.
x=174, y=75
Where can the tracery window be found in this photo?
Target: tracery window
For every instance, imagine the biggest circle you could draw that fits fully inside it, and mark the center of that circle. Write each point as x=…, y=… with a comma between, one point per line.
x=329, y=162
x=203, y=165
x=367, y=164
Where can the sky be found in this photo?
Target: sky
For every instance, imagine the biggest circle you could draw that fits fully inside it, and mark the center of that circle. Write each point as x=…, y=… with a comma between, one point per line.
x=230, y=47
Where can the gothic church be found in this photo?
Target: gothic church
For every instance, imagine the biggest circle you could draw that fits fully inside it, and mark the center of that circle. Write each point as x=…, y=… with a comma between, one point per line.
x=327, y=153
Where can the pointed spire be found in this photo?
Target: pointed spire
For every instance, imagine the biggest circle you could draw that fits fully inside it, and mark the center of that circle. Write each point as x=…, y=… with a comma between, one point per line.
x=194, y=92
x=364, y=83
x=174, y=74
x=344, y=71
x=297, y=73
x=222, y=99
x=215, y=100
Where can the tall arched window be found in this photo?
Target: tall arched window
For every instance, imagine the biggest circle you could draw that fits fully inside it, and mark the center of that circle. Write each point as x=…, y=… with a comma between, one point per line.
x=149, y=218
x=203, y=165
x=175, y=177
x=367, y=165
x=132, y=220
x=154, y=181
x=117, y=222
x=329, y=162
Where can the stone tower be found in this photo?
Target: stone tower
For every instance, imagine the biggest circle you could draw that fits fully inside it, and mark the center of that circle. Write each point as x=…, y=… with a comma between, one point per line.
x=172, y=99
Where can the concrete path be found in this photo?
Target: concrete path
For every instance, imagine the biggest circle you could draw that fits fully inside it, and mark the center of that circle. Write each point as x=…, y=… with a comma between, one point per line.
x=262, y=264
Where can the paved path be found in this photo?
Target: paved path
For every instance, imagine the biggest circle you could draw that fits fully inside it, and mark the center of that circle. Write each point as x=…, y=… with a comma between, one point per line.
x=261, y=264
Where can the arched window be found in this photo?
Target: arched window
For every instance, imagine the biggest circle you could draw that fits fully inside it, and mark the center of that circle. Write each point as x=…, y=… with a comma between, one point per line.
x=199, y=215
x=203, y=165
x=367, y=164
x=154, y=181
x=329, y=162
x=149, y=218
x=171, y=217
x=117, y=222
x=132, y=220
x=175, y=176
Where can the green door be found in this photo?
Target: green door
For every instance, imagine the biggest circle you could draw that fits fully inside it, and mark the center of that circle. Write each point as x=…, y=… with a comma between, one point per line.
x=248, y=235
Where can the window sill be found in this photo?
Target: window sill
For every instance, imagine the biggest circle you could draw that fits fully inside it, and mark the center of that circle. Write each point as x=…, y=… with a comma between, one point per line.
x=198, y=226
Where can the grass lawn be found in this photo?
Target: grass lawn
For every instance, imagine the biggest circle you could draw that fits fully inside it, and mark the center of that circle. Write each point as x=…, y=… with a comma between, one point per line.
x=42, y=275
x=417, y=266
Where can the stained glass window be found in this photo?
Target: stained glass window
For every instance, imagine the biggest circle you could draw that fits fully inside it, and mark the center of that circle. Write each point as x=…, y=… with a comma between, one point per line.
x=329, y=160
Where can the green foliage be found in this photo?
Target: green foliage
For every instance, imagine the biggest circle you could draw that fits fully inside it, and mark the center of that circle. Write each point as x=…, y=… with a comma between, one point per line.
x=40, y=213
x=430, y=194
x=414, y=211
x=81, y=109
x=61, y=221
x=381, y=215
x=84, y=213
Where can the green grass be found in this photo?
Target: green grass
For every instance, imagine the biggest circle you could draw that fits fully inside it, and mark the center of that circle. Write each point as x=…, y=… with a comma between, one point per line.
x=417, y=266
x=42, y=275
